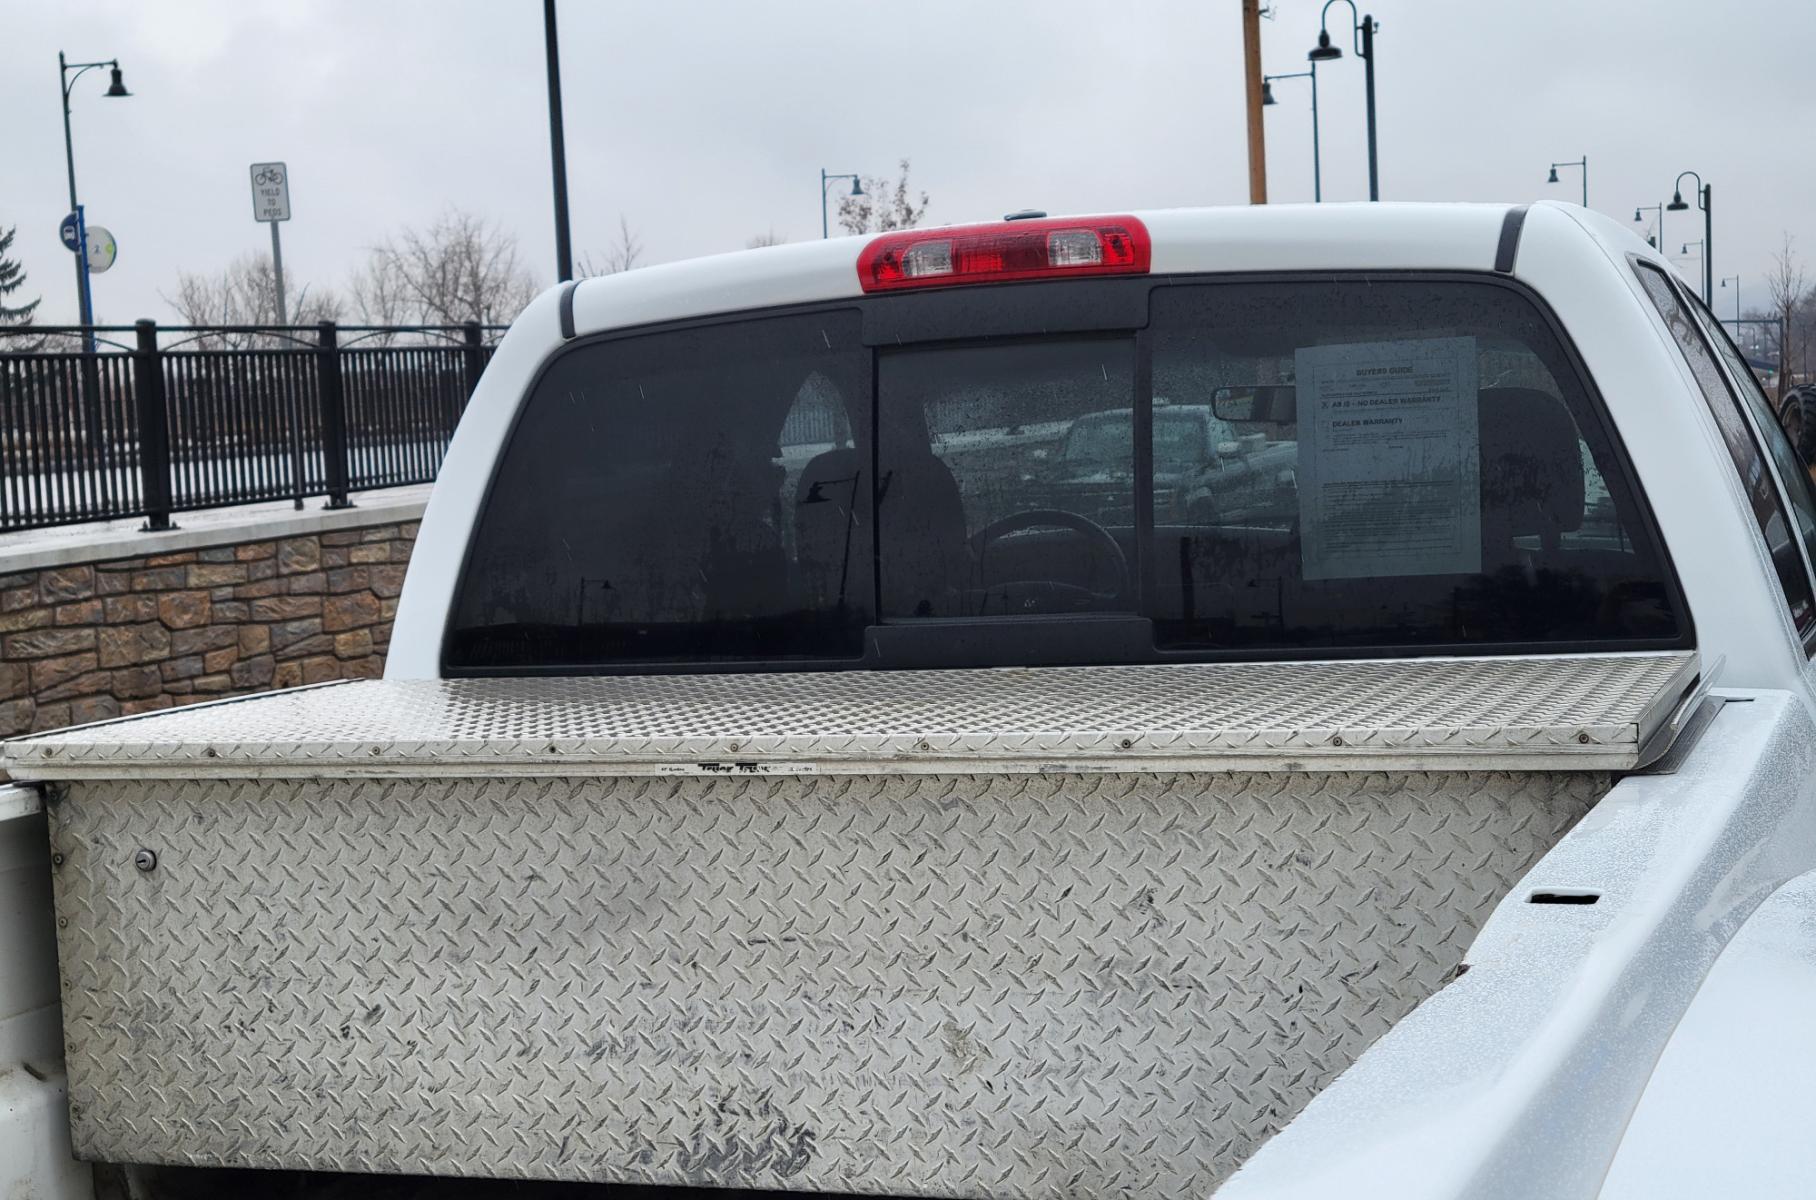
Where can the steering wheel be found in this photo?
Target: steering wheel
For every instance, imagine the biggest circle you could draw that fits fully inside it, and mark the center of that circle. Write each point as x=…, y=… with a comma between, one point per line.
x=1030, y=593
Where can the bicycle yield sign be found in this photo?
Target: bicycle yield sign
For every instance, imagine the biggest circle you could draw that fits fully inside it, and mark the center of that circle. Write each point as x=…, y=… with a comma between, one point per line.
x=270, y=192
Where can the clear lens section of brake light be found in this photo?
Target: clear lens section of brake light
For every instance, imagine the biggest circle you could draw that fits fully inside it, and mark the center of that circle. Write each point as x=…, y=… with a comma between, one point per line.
x=927, y=258
x=1066, y=247
x=1073, y=248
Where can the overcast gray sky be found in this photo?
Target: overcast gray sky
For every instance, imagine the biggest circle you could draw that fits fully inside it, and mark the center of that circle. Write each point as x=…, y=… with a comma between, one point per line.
x=706, y=123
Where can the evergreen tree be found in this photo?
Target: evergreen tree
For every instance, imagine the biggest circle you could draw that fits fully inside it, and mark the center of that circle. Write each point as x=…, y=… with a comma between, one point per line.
x=12, y=278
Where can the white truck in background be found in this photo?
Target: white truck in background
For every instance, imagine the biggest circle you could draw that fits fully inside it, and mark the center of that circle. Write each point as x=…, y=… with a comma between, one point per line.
x=824, y=747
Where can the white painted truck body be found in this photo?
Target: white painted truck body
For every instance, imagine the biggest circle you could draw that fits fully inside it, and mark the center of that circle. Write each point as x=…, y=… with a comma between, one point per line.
x=1651, y=1043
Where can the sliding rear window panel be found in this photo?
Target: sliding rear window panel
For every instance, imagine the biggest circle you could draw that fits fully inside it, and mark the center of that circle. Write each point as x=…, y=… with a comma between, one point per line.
x=977, y=314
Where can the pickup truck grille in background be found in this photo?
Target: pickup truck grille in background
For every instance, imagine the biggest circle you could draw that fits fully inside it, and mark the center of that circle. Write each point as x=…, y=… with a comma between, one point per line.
x=1004, y=985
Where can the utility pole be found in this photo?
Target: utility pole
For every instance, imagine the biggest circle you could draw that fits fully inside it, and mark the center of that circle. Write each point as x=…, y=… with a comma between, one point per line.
x=564, y=254
x=1251, y=56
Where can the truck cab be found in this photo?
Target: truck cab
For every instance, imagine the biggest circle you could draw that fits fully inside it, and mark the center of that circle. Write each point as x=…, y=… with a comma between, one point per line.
x=1280, y=701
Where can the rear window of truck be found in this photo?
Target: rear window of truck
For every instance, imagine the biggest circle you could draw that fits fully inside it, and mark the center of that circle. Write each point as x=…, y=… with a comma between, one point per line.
x=1269, y=468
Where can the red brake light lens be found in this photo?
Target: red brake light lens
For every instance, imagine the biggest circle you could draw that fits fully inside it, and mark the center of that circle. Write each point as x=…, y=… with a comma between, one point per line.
x=1046, y=249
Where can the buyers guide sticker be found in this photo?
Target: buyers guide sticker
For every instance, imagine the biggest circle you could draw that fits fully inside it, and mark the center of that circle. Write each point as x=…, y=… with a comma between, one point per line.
x=1389, y=470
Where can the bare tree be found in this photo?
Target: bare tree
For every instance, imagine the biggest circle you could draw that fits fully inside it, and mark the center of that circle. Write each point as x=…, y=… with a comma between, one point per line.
x=622, y=255
x=1789, y=285
x=883, y=205
x=460, y=268
x=767, y=238
x=244, y=292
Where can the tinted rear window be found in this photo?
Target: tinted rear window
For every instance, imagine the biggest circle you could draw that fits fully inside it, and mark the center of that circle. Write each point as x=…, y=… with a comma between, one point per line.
x=1274, y=468
x=1422, y=467
x=684, y=496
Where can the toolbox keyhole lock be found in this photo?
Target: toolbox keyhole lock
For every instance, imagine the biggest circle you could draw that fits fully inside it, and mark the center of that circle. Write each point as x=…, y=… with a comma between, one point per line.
x=145, y=860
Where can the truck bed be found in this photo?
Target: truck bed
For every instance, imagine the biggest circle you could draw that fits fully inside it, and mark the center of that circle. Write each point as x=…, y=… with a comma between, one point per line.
x=1093, y=931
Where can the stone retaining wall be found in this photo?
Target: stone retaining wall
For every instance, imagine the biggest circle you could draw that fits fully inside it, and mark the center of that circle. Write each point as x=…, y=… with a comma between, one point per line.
x=89, y=641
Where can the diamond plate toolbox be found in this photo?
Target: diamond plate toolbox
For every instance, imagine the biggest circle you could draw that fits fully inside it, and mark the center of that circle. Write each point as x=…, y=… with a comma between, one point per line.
x=1008, y=985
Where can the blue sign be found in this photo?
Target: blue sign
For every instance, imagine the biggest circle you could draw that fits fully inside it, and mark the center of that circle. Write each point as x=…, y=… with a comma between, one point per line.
x=71, y=231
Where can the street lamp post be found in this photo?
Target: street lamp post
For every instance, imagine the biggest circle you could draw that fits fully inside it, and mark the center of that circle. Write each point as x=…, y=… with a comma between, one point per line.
x=1735, y=280
x=1581, y=164
x=1658, y=235
x=1362, y=41
x=1704, y=200
x=1267, y=98
x=1701, y=257
x=116, y=88
x=857, y=189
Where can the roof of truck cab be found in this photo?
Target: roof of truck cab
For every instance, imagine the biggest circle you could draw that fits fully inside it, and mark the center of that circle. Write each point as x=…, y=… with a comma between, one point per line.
x=1271, y=237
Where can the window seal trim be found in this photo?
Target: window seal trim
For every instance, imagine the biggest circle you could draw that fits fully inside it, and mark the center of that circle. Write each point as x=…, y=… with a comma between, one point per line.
x=1694, y=307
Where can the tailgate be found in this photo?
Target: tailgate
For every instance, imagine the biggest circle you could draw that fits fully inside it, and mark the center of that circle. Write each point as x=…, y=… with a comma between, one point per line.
x=1092, y=931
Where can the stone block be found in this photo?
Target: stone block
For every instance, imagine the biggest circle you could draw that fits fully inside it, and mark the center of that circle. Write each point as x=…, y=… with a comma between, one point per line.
x=16, y=717
x=213, y=684
x=287, y=674
x=50, y=716
x=288, y=633
x=199, y=641
x=94, y=683
x=46, y=643
x=47, y=673
x=66, y=583
x=113, y=583
x=15, y=598
x=257, y=672
x=232, y=612
x=387, y=579
x=334, y=556
x=321, y=669
x=357, y=644
x=351, y=579
x=15, y=680
x=185, y=610
x=378, y=533
x=298, y=555
x=136, y=683
x=216, y=661
x=259, y=588
x=82, y=612
x=95, y=708
x=123, y=609
x=254, y=639
x=341, y=537
x=286, y=608
x=372, y=667
x=177, y=558
x=208, y=575
x=132, y=708
x=264, y=568
x=182, y=668
x=129, y=645
x=27, y=618
x=370, y=553
x=218, y=554
x=352, y=611
x=313, y=583
x=255, y=551
x=158, y=579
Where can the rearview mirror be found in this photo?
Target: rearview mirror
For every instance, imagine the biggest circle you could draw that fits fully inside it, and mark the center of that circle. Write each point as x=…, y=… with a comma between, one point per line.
x=1273, y=403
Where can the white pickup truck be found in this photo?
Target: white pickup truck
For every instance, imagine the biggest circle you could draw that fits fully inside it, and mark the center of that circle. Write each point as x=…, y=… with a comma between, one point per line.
x=819, y=753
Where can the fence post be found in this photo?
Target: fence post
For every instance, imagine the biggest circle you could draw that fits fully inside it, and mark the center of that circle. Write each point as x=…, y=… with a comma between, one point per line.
x=470, y=332
x=334, y=417
x=154, y=428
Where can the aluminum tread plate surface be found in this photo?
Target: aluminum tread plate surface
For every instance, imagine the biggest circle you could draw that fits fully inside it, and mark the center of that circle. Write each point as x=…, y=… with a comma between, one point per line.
x=1579, y=712
x=1084, y=985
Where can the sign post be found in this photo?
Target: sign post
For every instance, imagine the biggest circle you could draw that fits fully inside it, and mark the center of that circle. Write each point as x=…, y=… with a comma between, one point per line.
x=271, y=204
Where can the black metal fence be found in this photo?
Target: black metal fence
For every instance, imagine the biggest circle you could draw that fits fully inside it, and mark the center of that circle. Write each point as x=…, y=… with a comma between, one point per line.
x=183, y=418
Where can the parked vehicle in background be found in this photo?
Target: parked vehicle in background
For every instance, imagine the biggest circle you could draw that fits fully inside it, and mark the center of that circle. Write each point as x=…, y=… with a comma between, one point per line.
x=1281, y=702
x=1798, y=415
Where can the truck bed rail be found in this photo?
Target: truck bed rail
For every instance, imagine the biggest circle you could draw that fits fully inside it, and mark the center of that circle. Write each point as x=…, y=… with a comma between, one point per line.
x=1576, y=712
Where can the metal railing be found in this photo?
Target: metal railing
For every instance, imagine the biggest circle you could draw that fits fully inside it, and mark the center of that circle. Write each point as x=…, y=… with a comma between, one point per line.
x=188, y=417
